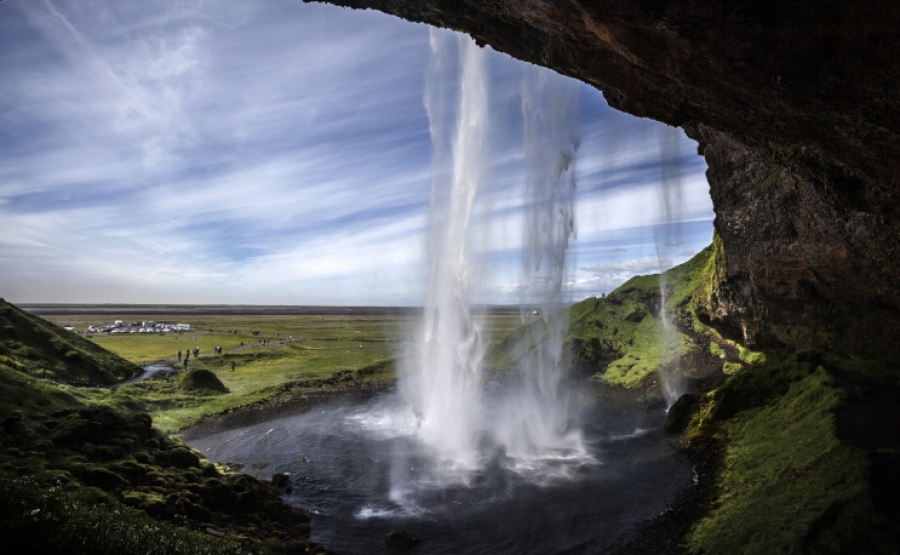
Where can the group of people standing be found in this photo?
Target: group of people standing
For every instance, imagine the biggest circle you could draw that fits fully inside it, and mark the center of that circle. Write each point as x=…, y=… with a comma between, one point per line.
x=187, y=354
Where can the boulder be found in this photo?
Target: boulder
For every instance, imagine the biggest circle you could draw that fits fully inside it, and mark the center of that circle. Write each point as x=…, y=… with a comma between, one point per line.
x=401, y=540
x=680, y=413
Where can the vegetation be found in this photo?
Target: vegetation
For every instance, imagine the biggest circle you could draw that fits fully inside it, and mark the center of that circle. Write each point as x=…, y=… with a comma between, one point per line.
x=618, y=338
x=50, y=520
x=39, y=348
x=799, y=449
x=83, y=471
x=71, y=471
x=788, y=480
x=323, y=351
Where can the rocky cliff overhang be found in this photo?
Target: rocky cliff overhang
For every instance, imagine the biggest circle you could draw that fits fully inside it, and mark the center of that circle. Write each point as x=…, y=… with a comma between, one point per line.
x=796, y=110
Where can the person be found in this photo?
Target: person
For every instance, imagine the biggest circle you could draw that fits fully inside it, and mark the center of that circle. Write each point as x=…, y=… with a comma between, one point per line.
x=187, y=355
x=196, y=352
x=179, y=356
x=232, y=366
x=185, y=364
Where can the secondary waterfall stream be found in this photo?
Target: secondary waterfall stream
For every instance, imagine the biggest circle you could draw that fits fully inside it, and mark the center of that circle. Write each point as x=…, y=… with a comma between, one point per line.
x=667, y=236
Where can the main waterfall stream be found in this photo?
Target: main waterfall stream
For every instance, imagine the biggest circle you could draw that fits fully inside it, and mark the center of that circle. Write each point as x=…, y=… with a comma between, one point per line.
x=469, y=461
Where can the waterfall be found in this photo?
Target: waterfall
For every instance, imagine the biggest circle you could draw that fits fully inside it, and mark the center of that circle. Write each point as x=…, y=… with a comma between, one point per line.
x=443, y=385
x=668, y=240
x=539, y=416
x=442, y=379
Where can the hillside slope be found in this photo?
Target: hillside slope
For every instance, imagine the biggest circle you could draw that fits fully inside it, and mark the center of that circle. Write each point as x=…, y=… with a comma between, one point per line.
x=78, y=477
x=37, y=347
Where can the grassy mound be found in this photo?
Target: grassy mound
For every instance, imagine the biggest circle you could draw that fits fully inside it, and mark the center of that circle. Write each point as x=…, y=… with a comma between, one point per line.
x=201, y=380
x=42, y=349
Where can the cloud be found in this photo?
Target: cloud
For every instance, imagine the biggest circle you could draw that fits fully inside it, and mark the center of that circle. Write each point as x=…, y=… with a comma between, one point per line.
x=631, y=267
x=273, y=152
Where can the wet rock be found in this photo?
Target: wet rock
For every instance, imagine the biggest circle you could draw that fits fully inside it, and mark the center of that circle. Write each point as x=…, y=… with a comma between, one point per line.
x=401, y=540
x=680, y=414
x=282, y=482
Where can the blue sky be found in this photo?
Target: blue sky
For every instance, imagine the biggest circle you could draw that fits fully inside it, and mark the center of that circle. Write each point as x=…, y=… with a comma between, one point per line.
x=277, y=152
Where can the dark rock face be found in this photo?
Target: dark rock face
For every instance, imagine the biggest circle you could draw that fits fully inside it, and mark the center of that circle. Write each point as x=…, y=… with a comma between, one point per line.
x=804, y=265
x=795, y=107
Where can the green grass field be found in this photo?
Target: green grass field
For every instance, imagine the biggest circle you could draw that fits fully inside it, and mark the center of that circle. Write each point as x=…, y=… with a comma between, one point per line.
x=321, y=346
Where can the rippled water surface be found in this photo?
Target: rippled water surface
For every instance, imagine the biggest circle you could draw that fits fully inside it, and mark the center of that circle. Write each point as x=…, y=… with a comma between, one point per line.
x=361, y=472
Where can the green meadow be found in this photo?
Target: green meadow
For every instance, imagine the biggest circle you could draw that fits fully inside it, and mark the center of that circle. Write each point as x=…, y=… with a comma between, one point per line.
x=272, y=355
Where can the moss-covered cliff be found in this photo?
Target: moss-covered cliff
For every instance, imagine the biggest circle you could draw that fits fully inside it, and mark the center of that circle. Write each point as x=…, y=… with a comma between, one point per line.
x=795, y=451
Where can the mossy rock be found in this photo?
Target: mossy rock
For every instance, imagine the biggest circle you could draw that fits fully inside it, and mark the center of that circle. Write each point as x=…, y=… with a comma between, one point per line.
x=680, y=413
x=201, y=380
x=102, y=478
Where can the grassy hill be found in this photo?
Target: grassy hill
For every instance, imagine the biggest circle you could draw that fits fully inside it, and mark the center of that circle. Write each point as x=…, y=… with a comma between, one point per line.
x=621, y=339
x=80, y=477
x=40, y=348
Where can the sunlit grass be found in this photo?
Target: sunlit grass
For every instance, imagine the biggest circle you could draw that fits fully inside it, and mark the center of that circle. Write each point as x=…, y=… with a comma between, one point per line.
x=319, y=347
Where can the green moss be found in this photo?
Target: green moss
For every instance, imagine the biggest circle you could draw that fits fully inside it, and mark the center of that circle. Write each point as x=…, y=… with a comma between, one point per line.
x=751, y=357
x=731, y=368
x=783, y=470
x=41, y=520
x=786, y=483
x=716, y=349
x=704, y=298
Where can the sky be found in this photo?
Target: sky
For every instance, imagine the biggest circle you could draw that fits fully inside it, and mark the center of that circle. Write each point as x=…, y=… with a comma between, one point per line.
x=276, y=152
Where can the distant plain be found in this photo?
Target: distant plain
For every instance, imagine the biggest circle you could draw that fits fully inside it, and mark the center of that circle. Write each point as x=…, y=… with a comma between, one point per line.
x=272, y=354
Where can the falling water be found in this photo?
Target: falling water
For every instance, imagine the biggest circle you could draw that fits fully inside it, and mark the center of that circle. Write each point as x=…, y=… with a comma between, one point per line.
x=540, y=415
x=442, y=382
x=668, y=241
x=443, y=386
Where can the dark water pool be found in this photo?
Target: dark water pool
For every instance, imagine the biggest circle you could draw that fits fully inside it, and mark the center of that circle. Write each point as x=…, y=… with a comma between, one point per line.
x=360, y=473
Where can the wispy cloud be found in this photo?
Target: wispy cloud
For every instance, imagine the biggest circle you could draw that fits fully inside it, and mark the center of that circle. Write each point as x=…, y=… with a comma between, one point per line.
x=269, y=152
